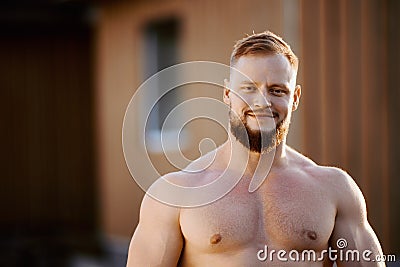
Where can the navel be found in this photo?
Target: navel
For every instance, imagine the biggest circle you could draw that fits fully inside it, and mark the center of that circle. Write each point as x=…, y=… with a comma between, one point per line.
x=215, y=239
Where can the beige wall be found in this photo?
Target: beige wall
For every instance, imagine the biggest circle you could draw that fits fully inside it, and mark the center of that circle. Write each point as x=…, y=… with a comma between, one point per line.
x=209, y=29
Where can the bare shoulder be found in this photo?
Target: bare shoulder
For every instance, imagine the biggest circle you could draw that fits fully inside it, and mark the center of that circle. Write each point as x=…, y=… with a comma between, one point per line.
x=341, y=185
x=152, y=205
x=155, y=200
x=336, y=181
x=199, y=172
x=169, y=190
x=327, y=173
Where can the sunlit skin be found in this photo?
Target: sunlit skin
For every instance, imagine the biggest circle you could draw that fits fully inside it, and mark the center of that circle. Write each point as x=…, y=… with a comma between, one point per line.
x=262, y=97
x=256, y=90
x=299, y=206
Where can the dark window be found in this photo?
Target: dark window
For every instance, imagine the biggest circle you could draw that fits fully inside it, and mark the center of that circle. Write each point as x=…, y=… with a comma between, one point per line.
x=161, y=51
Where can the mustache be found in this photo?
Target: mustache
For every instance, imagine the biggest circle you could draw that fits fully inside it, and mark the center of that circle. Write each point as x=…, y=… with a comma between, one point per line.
x=261, y=111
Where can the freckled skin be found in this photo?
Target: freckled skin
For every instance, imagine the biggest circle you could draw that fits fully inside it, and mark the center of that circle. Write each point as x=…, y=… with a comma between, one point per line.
x=299, y=206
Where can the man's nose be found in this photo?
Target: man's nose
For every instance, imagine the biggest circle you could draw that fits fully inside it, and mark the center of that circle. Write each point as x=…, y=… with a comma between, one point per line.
x=262, y=99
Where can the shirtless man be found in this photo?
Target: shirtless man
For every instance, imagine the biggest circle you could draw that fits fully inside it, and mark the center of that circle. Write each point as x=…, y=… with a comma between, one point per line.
x=300, y=205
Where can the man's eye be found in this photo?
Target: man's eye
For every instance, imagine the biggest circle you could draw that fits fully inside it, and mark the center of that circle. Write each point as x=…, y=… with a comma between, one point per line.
x=249, y=88
x=277, y=91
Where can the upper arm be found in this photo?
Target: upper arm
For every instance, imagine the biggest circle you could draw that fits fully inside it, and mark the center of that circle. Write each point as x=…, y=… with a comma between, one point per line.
x=157, y=240
x=352, y=224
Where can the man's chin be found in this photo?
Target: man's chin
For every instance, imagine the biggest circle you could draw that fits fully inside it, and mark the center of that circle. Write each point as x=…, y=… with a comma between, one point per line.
x=263, y=132
x=256, y=140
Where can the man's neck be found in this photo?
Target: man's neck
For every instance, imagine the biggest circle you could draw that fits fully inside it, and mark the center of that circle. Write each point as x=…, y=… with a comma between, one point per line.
x=238, y=156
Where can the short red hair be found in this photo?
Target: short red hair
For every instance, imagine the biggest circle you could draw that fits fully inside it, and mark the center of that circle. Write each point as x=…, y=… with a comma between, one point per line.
x=263, y=43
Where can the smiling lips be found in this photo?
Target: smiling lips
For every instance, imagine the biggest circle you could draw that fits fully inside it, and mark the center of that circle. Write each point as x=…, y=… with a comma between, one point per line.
x=262, y=115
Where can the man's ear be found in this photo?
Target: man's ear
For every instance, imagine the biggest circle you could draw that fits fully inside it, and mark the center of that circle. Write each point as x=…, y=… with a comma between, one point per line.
x=226, y=97
x=296, y=96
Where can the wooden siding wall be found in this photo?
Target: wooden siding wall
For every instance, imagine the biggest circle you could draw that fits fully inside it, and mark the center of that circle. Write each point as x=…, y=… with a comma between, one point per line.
x=347, y=49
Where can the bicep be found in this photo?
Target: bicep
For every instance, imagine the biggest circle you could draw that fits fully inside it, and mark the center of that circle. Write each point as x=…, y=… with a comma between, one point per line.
x=361, y=239
x=352, y=230
x=157, y=240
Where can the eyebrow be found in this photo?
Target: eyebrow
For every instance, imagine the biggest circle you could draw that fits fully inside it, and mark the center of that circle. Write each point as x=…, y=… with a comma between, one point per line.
x=281, y=85
x=248, y=82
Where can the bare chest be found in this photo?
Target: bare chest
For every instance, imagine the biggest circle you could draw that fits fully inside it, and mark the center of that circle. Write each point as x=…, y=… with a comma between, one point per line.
x=293, y=215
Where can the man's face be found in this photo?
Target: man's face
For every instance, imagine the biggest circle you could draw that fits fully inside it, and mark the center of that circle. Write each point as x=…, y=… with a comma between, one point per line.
x=262, y=94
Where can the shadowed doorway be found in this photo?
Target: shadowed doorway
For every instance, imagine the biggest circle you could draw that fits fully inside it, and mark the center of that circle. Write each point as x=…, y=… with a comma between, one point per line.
x=48, y=207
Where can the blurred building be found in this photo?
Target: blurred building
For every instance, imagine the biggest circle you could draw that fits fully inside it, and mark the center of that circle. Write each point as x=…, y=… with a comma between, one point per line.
x=67, y=79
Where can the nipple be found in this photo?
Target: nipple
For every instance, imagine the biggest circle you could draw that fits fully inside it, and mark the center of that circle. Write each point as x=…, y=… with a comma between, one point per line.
x=312, y=235
x=215, y=239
